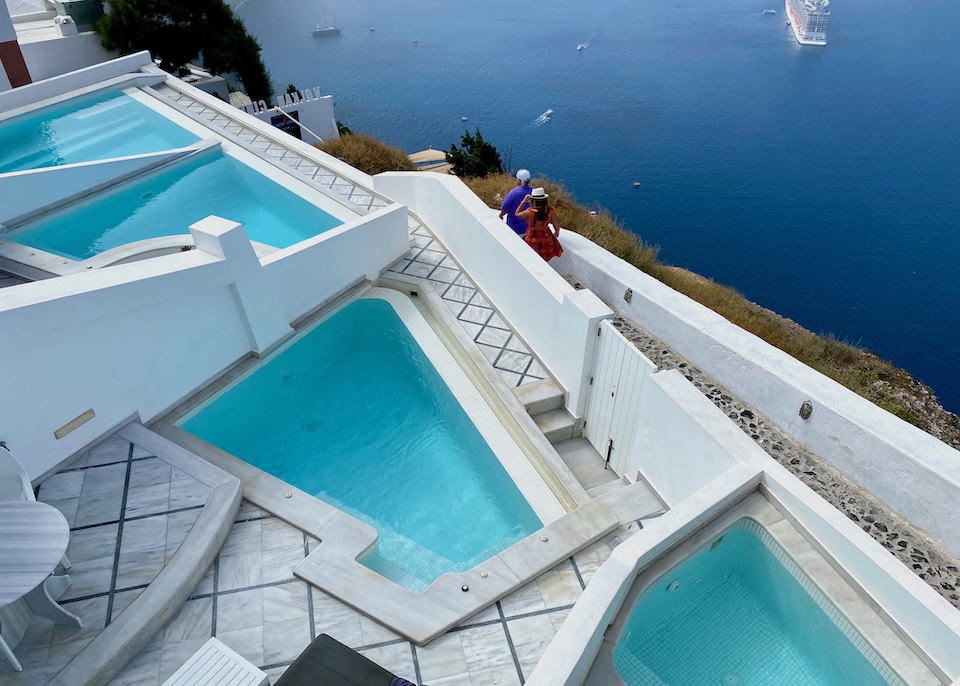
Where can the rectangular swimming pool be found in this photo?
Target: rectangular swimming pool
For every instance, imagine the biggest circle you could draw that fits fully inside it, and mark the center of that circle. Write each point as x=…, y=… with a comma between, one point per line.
x=355, y=413
x=168, y=202
x=94, y=127
x=737, y=612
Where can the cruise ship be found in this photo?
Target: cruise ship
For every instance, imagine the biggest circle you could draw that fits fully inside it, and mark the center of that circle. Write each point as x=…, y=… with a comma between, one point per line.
x=809, y=19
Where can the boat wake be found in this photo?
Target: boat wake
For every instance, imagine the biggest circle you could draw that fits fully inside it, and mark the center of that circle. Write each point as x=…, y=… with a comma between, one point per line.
x=543, y=118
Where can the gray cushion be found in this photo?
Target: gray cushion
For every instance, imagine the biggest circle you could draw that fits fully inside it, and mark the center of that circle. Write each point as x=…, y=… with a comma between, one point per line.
x=327, y=662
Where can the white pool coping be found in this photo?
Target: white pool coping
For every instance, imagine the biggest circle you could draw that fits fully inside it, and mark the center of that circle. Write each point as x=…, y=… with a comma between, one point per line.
x=333, y=566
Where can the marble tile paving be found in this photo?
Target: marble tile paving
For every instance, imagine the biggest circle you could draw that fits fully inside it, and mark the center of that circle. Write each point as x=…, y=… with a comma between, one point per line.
x=123, y=531
x=428, y=259
x=128, y=513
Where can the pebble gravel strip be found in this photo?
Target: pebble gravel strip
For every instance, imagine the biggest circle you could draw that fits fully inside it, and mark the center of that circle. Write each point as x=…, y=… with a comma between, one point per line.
x=914, y=549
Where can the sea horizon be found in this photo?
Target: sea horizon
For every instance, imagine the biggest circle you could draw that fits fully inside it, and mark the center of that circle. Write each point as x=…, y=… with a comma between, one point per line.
x=823, y=183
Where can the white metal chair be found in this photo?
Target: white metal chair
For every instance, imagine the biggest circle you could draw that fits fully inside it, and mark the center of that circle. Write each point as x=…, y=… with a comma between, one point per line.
x=15, y=483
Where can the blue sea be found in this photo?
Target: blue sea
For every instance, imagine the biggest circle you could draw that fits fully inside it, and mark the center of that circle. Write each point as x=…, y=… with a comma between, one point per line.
x=822, y=183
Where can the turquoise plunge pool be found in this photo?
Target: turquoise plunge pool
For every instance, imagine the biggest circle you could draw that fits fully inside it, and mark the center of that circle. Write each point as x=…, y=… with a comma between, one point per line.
x=740, y=612
x=355, y=413
x=168, y=202
x=94, y=127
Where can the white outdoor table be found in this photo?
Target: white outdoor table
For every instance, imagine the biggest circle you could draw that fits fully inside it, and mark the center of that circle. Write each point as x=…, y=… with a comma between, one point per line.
x=33, y=539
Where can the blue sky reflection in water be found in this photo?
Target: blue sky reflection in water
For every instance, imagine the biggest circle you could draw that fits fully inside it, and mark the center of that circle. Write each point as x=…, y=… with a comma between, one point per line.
x=823, y=183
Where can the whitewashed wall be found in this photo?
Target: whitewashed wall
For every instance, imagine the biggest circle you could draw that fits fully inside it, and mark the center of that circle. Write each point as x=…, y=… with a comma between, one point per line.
x=65, y=83
x=125, y=340
x=682, y=442
x=556, y=321
x=311, y=272
x=57, y=56
x=914, y=473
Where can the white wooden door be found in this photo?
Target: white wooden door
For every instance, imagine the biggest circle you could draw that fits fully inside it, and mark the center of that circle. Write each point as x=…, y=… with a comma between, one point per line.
x=619, y=370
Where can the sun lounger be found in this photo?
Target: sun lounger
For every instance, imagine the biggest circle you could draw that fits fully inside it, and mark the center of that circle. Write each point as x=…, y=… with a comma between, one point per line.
x=327, y=661
x=216, y=665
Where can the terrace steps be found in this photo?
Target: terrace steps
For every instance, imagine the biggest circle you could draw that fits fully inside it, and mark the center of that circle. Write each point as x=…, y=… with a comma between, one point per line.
x=539, y=397
x=557, y=425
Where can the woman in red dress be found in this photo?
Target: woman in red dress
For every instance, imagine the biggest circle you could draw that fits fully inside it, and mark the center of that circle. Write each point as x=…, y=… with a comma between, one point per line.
x=542, y=229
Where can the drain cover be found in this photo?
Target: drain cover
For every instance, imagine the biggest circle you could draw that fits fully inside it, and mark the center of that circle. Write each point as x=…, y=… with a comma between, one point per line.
x=730, y=679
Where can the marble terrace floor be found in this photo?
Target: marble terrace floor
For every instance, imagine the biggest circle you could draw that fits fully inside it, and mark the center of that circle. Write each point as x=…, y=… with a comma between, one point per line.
x=128, y=513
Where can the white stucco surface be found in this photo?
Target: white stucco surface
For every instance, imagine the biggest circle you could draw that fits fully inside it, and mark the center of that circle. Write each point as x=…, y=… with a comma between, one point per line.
x=309, y=273
x=57, y=85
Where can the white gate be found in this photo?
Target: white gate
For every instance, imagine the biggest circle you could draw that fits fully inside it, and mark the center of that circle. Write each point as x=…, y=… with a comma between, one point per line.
x=610, y=421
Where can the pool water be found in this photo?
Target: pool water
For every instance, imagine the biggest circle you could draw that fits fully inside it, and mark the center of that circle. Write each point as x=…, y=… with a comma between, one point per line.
x=741, y=612
x=168, y=202
x=356, y=414
x=95, y=127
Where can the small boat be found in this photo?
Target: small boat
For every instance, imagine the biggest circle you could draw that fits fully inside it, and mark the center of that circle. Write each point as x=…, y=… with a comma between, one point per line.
x=463, y=119
x=547, y=114
x=769, y=11
x=581, y=46
x=636, y=184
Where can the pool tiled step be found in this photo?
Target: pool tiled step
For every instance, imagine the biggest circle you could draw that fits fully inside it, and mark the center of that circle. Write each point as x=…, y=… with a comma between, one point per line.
x=309, y=169
x=557, y=425
x=541, y=396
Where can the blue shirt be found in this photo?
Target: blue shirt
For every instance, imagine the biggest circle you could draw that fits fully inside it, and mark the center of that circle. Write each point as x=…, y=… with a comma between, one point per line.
x=510, y=205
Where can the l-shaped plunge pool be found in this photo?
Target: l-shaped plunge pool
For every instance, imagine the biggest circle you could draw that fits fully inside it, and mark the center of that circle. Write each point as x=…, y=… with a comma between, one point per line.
x=354, y=412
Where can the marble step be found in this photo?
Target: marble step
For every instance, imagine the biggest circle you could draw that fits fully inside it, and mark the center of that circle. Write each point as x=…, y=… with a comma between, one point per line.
x=539, y=397
x=557, y=425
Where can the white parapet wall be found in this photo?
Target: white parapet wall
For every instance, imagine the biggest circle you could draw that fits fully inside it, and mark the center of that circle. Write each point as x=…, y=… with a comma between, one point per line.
x=309, y=273
x=556, y=321
x=120, y=341
x=48, y=58
x=682, y=442
x=914, y=473
x=75, y=80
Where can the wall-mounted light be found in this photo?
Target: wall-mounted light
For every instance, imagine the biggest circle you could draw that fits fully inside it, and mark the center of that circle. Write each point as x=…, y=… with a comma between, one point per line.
x=806, y=409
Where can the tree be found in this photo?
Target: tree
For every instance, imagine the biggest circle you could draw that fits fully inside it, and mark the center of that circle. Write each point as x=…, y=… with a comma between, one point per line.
x=177, y=32
x=475, y=156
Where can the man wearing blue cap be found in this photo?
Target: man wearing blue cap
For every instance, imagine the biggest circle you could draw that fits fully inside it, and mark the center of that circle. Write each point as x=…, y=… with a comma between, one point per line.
x=512, y=202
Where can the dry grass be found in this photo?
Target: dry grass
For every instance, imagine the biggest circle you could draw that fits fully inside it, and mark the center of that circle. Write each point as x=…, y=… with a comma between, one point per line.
x=861, y=371
x=367, y=154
